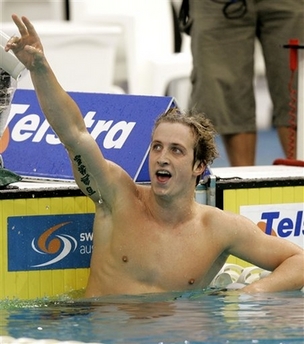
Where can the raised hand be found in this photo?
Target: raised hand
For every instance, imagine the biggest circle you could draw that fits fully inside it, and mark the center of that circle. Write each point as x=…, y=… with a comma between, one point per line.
x=27, y=47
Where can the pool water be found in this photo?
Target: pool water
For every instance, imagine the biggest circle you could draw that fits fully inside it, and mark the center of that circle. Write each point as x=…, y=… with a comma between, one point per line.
x=186, y=318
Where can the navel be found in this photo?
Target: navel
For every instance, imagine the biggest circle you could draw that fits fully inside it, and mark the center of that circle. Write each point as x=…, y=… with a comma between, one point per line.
x=191, y=281
x=124, y=259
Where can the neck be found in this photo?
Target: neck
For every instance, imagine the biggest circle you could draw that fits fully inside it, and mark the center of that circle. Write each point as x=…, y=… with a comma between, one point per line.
x=171, y=210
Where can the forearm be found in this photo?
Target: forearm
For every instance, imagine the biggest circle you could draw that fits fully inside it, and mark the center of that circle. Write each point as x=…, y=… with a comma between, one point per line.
x=58, y=107
x=287, y=276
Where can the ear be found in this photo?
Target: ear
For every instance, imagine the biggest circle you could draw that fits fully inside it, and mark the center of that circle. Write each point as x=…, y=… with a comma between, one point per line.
x=199, y=168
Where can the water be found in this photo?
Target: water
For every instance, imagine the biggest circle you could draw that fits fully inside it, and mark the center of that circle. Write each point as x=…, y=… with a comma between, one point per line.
x=188, y=318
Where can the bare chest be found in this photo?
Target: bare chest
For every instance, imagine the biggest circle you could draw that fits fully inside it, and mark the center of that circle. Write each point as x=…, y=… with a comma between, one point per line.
x=168, y=258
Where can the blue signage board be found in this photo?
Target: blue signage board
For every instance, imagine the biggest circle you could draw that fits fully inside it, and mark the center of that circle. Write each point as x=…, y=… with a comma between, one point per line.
x=121, y=125
x=47, y=242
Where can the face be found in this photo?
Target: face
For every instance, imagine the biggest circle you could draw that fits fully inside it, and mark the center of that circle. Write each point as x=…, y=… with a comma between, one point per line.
x=171, y=159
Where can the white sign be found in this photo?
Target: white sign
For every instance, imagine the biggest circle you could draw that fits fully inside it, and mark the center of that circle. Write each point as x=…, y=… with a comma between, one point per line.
x=284, y=220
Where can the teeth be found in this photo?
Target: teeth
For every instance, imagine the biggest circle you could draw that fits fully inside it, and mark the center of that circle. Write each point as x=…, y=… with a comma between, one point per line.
x=163, y=173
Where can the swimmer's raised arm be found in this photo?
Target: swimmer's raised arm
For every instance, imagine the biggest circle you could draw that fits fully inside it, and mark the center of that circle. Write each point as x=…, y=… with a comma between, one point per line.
x=95, y=176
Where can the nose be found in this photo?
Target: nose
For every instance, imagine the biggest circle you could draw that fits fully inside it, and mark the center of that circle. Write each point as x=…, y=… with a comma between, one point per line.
x=163, y=159
x=162, y=163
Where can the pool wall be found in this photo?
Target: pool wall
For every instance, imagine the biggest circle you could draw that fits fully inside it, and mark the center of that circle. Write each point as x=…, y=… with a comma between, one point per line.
x=43, y=246
x=46, y=227
x=271, y=196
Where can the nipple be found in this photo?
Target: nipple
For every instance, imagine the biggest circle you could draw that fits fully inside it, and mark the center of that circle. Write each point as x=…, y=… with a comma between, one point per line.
x=124, y=259
x=191, y=281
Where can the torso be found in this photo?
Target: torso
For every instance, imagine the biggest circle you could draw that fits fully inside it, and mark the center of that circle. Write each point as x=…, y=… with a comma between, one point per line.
x=134, y=254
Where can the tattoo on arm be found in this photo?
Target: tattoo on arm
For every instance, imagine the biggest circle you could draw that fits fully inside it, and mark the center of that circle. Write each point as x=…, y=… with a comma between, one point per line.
x=85, y=179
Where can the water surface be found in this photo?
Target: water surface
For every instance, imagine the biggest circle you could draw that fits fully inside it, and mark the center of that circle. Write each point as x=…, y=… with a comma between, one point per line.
x=196, y=317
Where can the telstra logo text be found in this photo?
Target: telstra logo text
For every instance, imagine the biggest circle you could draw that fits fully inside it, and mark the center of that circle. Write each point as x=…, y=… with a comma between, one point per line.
x=285, y=226
x=285, y=220
x=32, y=127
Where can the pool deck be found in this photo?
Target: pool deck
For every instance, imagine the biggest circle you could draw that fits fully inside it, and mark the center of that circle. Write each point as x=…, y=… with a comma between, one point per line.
x=244, y=172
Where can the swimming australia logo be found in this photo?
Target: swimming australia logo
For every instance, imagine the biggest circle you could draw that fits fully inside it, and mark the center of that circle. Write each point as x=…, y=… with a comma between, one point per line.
x=60, y=245
x=49, y=242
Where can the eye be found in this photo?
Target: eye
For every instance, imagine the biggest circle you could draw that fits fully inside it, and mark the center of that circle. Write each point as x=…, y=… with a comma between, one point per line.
x=177, y=150
x=156, y=147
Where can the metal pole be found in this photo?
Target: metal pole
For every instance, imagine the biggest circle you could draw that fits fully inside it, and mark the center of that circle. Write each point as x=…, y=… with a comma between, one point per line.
x=300, y=115
x=67, y=9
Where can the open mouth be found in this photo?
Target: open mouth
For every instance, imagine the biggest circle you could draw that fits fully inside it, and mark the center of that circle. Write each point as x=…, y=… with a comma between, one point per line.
x=163, y=176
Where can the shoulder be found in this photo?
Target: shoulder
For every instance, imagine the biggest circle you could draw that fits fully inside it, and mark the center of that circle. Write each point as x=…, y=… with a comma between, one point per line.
x=223, y=223
x=214, y=215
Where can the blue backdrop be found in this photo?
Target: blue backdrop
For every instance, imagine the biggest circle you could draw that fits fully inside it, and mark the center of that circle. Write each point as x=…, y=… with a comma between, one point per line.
x=120, y=124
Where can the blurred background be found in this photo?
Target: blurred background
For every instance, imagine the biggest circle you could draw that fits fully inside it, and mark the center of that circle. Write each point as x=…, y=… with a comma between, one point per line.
x=131, y=47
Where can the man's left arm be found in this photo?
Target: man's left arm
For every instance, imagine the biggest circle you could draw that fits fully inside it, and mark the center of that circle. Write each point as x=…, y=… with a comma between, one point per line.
x=283, y=258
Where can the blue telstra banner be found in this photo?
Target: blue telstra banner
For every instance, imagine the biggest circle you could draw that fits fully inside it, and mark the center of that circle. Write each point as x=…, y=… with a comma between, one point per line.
x=120, y=124
x=45, y=242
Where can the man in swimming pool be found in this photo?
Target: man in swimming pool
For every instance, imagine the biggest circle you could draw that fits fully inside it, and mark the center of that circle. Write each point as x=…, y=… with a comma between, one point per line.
x=155, y=238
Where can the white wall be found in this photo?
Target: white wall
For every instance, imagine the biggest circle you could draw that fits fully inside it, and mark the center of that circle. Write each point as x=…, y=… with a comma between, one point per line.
x=33, y=9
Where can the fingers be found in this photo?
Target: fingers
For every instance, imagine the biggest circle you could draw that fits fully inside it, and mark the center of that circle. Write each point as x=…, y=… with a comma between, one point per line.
x=29, y=26
x=14, y=40
x=12, y=43
x=25, y=27
x=21, y=27
x=27, y=47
